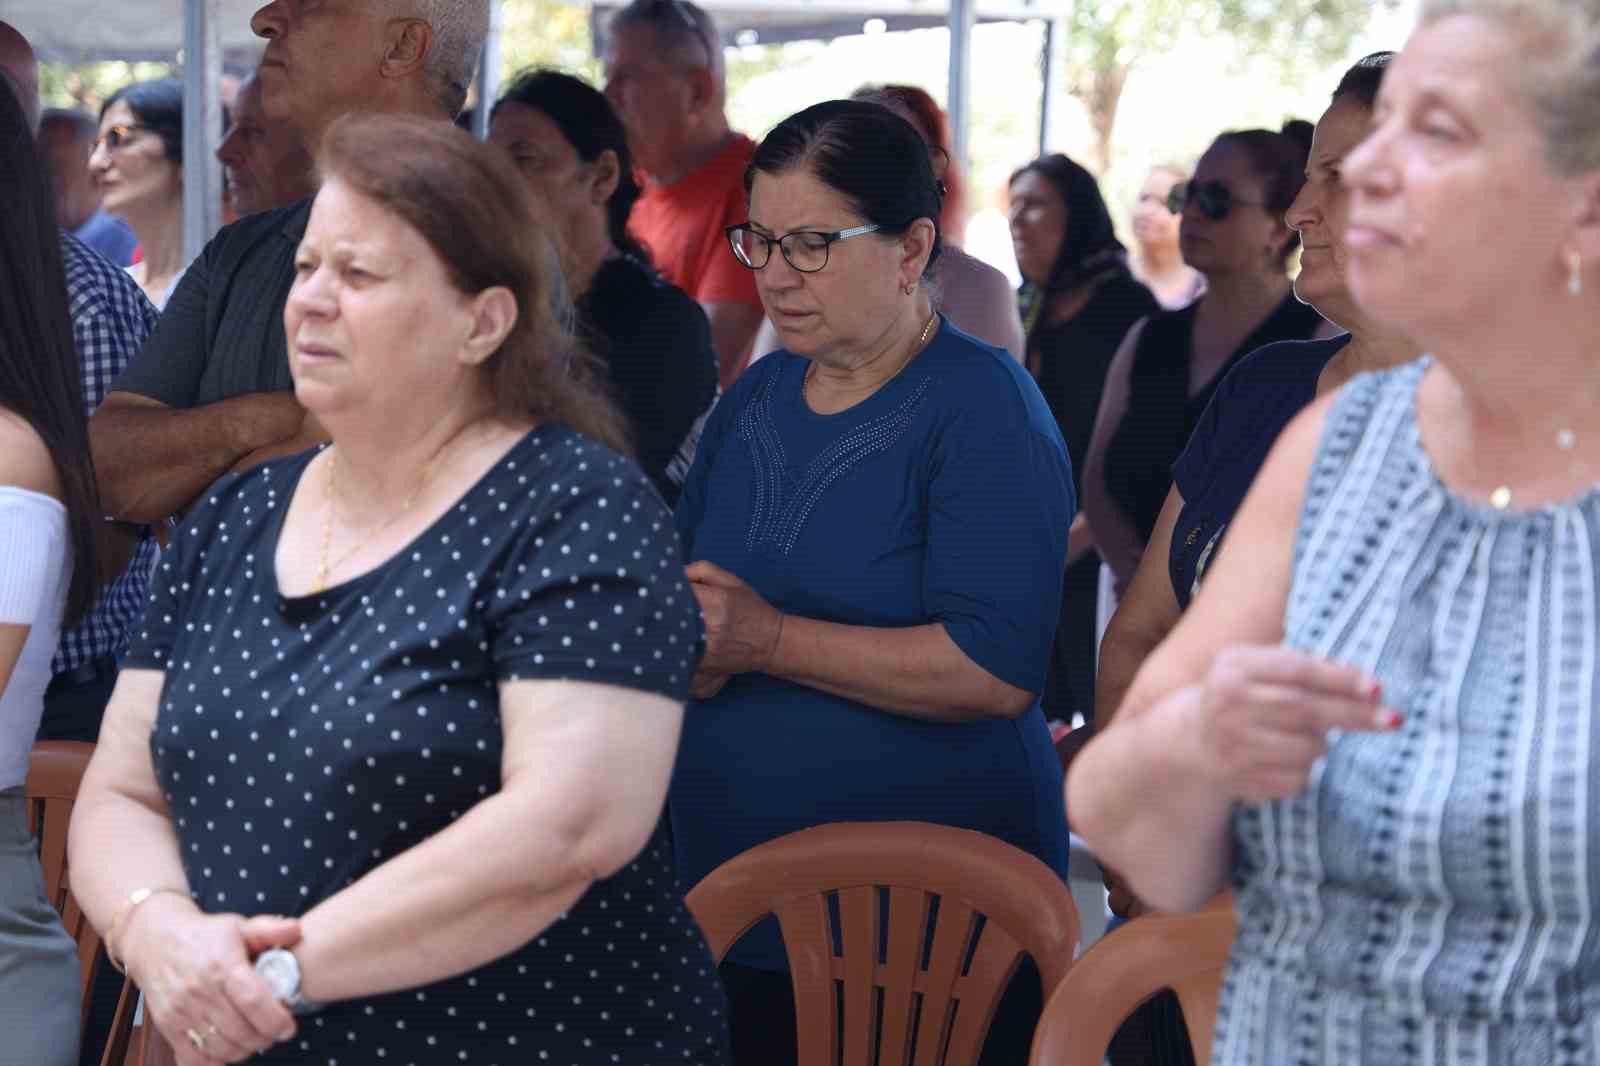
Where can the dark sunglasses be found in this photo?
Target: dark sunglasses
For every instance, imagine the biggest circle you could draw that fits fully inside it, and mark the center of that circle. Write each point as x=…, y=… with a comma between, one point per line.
x=1213, y=199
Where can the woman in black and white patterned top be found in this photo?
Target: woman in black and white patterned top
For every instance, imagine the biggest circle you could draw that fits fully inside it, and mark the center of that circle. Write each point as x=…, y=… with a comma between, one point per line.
x=1384, y=729
x=420, y=690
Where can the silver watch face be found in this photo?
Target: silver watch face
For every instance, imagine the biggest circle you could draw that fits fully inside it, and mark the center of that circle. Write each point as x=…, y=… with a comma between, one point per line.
x=281, y=971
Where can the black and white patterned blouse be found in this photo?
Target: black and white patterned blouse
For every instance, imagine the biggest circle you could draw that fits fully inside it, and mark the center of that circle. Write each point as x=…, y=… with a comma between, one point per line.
x=1429, y=900
x=302, y=741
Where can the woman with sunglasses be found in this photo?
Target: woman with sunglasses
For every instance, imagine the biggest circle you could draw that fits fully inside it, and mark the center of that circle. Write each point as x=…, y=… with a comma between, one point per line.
x=137, y=165
x=569, y=145
x=1379, y=722
x=1082, y=299
x=1169, y=365
x=879, y=598
x=1244, y=418
x=48, y=516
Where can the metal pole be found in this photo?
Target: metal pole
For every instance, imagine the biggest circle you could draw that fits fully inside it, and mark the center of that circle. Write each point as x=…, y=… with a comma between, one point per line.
x=962, y=16
x=202, y=125
x=1050, y=83
x=488, y=73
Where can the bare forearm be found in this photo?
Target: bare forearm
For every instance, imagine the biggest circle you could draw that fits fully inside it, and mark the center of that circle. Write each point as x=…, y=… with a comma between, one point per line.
x=917, y=671
x=1139, y=797
x=118, y=844
x=468, y=895
x=1117, y=540
x=152, y=461
x=1080, y=538
x=1123, y=650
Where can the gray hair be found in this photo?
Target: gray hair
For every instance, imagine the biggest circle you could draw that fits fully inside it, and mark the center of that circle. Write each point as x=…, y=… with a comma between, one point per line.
x=459, y=30
x=680, y=26
x=1562, y=80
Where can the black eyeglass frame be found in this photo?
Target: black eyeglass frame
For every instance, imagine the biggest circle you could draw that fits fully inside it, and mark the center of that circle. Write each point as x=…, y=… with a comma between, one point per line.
x=828, y=241
x=1214, y=199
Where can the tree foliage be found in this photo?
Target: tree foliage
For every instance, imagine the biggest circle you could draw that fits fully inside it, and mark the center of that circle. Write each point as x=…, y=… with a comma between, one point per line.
x=1106, y=39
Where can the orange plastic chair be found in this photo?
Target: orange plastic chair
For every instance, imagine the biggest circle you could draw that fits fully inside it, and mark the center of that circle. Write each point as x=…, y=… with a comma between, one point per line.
x=54, y=772
x=920, y=1007
x=1182, y=952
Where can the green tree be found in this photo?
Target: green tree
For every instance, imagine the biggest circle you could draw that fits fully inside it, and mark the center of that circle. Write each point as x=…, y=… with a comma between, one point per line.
x=1105, y=39
x=547, y=33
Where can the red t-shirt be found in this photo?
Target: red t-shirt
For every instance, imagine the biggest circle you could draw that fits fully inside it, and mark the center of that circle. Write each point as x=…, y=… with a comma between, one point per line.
x=682, y=223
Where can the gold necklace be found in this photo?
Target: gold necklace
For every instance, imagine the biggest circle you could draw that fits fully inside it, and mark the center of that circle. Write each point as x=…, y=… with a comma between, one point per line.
x=325, y=568
x=1500, y=498
x=922, y=339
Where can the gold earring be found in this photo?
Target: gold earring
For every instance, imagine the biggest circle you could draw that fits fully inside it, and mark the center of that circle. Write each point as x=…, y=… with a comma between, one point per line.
x=1575, y=278
x=909, y=289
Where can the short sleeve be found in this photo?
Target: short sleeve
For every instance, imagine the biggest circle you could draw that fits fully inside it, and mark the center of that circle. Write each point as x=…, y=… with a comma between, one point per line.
x=172, y=361
x=1000, y=501
x=594, y=589
x=33, y=534
x=171, y=581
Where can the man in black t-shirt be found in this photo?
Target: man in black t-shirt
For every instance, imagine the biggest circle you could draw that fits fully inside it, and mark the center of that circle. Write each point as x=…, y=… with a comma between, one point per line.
x=210, y=391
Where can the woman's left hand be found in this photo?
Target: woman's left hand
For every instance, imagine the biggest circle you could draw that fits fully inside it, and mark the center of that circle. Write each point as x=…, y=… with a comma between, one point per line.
x=742, y=629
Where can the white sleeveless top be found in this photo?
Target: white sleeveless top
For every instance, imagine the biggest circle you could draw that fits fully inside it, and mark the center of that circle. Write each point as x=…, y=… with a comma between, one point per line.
x=35, y=573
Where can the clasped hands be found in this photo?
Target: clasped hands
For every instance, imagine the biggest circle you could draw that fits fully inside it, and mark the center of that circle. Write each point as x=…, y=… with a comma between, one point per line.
x=199, y=982
x=742, y=629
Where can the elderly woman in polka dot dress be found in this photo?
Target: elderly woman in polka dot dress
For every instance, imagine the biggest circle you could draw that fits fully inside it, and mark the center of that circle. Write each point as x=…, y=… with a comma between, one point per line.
x=420, y=691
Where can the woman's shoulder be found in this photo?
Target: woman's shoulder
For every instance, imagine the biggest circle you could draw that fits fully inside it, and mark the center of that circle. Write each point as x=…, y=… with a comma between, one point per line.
x=1283, y=364
x=970, y=374
x=25, y=459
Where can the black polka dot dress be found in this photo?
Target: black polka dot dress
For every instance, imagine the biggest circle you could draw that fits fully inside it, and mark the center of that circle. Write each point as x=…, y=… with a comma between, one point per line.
x=303, y=741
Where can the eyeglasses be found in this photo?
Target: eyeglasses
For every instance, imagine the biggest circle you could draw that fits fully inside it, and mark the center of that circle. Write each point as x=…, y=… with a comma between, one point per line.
x=806, y=250
x=1214, y=199
x=116, y=137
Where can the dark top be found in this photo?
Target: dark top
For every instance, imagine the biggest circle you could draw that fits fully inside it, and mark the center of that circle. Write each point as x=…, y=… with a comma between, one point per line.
x=303, y=741
x=1251, y=407
x=657, y=343
x=221, y=334
x=903, y=510
x=1075, y=355
x=1161, y=413
x=110, y=236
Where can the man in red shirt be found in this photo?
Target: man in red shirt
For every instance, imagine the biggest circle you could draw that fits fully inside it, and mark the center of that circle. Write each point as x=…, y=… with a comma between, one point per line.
x=666, y=78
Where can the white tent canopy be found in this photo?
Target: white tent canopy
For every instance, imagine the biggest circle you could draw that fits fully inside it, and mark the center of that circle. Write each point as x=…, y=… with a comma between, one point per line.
x=201, y=30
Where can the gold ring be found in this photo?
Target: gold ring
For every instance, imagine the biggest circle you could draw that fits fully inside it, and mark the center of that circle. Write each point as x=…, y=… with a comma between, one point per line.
x=197, y=1038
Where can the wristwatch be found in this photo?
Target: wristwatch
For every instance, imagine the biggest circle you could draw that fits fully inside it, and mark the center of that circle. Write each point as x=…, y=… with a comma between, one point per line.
x=281, y=970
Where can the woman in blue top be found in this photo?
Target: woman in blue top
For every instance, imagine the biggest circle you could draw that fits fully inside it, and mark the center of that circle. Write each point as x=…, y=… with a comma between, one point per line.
x=879, y=597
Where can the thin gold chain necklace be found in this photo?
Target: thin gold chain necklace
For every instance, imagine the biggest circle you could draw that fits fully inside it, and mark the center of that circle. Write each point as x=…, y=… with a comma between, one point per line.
x=927, y=331
x=331, y=493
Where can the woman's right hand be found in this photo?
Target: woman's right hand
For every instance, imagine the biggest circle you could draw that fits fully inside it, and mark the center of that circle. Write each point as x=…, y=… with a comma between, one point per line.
x=196, y=972
x=1264, y=714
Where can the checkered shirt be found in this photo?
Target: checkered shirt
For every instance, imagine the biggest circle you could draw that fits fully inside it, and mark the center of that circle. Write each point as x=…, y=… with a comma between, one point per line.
x=110, y=320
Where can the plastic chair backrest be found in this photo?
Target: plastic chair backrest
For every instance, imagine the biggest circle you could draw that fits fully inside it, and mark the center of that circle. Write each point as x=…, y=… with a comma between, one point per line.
x=55, y=770
x=1186, y=953
x=932, y=922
